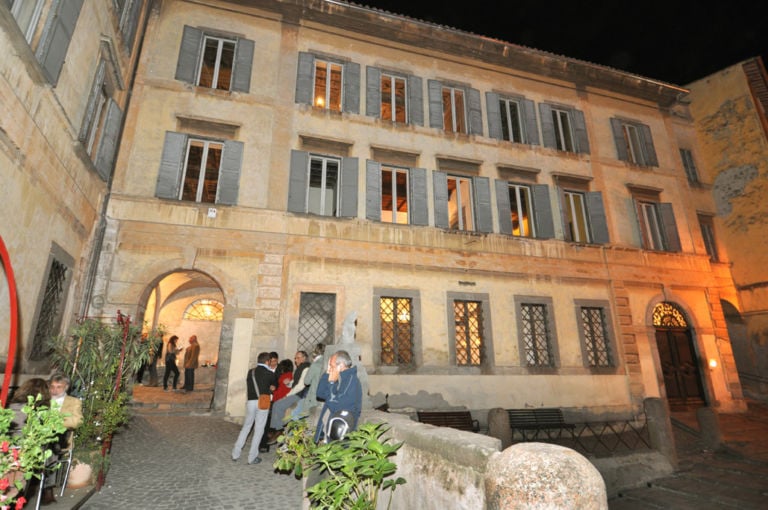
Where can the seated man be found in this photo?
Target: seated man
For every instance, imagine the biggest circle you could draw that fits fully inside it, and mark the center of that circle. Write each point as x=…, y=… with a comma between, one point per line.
x=71, y=409
x=340, y=390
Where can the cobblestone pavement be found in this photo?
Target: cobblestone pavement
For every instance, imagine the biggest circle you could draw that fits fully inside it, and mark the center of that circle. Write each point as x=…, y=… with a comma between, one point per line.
x=184, y=462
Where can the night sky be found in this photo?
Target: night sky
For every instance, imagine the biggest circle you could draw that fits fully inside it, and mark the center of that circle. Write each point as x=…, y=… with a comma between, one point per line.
x=675, y=41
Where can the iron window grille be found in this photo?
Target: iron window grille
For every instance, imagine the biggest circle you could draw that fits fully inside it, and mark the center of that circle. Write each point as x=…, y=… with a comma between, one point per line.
x=396, y=331
x=536, y=335
x=596, y=342
x=317, y=316
x=468, y=323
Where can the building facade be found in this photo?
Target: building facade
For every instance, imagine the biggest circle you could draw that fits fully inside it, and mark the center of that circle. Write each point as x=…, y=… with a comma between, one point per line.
x=507, y=227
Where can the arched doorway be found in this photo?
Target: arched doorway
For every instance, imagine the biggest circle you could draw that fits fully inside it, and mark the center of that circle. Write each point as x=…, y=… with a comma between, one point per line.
x=679, y=362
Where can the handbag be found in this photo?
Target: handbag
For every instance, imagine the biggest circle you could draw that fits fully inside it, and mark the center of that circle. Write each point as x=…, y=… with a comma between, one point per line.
x=265, y=400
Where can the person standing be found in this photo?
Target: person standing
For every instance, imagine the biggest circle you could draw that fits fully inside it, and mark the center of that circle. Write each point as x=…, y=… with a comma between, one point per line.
x=341, y=390
x=260, y=380
x=191, y=357
x=170, y=362
x=157, y=351
x=298, y=390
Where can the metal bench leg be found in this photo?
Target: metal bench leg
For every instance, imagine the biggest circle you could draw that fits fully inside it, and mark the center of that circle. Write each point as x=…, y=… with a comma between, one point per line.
x=68, y=461
x=40, y=491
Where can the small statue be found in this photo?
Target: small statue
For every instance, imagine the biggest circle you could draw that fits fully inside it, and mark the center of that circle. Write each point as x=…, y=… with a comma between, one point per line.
x=348, y=329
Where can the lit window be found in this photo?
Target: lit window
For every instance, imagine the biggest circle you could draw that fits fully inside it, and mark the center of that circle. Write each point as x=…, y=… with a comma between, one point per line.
x=328, y=81
x=468, y=323
x=216, y=63
x=394, y=195
x=323, y=189
x=201, y=172
x=576, y=216
x=650, y=225
x=204, y=310
x=563, y=130
x=511, y=120
x=454, y=117
x=396, y=331
x=393, y=98
x=460, y=216
x=520, y=206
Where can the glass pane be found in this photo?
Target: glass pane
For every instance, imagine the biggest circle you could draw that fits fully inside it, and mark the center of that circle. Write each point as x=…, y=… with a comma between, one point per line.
x=208, y=64
x=401, y=196
x=467, y=220
x=211, y=181
x=321, y=77
x=331, y=188
x=453, y=204
x=317, y=314
x=459, y=104
x=510, y=121
x=447, y=110
x=387, y=199
x=386, y=97
x=192, y=173
x=226, y=64
x=400, y=100
x=334, y=95
x=520, y=210
x=576, y=214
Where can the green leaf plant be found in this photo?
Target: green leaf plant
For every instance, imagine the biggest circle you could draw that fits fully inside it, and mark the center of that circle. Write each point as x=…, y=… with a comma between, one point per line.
x=347, y=474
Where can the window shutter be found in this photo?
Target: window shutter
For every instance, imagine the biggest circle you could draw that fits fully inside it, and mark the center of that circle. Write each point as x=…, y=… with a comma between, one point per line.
x=373, y=92
x=494, y=115
x=229, y=173
x=373, y=190
x=542, y=211
x=131, y=23
x=415, y=101
x=648, y=149
x=57, y=33
x=189, y=51
x=349, y=177
x=304, y=78
x=670, y=227
x=440, y=190
x=297, y=182
x=503, y=206
x=417, y=178
x=547, y=126
x=351, y=88
x=90, y=110
x=597, y=221
x=241, y=74
x=618, y=138
x=580, y=132
x=434, y=91
x=475, y=113
x=171, y=165
x=105, y=154
x=531, y=128
x=483, y=213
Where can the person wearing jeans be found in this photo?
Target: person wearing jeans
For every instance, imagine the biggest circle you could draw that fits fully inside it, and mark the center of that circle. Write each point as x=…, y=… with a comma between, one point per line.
x=259, y=381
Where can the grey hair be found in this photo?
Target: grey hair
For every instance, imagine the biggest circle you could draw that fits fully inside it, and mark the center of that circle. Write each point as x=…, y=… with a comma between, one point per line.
x=59, y=377
x=343, y=357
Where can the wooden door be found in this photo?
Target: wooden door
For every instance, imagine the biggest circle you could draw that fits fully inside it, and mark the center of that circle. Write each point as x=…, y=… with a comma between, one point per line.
x=680, y=367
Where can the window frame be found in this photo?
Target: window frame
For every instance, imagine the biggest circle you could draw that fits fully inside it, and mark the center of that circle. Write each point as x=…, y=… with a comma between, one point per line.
x=651, y=229
x=459, y=206
x=455, y=127
x=551, y=329
x=570, y=215
x=531, y=209
x=330, y=320
x=507, y=121
x=34, y=20
x=614, y=361
x=217, y=66
x=707, y=227
x=416, y=337
x=324, y=160
x=393, y=95
x=192, y=52
x=328, y=86
x=396, y=170
x=487, y=356
x=564, y=135
x=689, y=166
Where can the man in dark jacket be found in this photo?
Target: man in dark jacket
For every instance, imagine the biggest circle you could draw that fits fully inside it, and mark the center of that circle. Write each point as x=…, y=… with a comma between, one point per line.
x=259, y=381
x=341, y=390
x=298, y=391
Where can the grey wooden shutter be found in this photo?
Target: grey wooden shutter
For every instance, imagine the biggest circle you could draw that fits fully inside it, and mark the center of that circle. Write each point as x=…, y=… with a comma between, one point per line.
x=229, y=173
x=475, y=113
x=304, y=78
x=297, y=181
x=171, y=165
x=580, y=132
x=349, y=178
x=105, y=154
x=597, y=221
x=418, y=205
x=130, y=24
x=435, y=98
x=440, y=191
x=529, y=116
x=373, y=190
x=373, y=92
x=493, y=110
x=670, y=227
x=415, y=101
x=503, y=207
x=241, y=74
x=57, y=33
x=189, y=53
x=95, y=94
x=648, y=150
x=618, y=138
x=547, y=126
x=483, y=214
x=542, y=212
x=351, y=88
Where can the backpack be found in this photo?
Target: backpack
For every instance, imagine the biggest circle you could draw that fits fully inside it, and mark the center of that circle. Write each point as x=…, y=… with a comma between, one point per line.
x=338, y=425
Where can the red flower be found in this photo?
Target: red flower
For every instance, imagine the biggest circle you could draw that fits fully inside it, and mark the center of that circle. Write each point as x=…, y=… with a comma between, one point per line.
x=20, y=503
x=15, y=453
x=4, y=446
x=4, y=484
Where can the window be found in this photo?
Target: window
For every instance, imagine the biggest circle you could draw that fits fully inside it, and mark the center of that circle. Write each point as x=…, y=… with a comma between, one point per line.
x=215, y=61
x=50, y=313
x=128, y=14
x=536, y=331
x=460, y=215
x=708, y=234
x=57, y=33
x=394, y=97
x=594, y=336
x=323, y=185
x=396, y=194
x=27, y=15
x=468, y=324
x=633, y=142
x=204, y=310
x=524, y=210
x=199, y=169
x=511, y=122
x=328, y=84
x=690, y=166
x=317, y=319
x=584, y=218
x=658, y=230
x=512, y=119
x=454, y=109
x=396, y=316
x=521, y=211
x=563, y=128
x=462, y=203
x=650, y=225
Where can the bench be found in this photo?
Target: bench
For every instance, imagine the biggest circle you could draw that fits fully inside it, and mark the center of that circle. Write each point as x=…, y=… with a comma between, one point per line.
x=461, y=420
x=548, y=420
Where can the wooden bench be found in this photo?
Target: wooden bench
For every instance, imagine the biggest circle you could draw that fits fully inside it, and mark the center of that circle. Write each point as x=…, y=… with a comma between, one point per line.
x=548, y=420
x=461, y=420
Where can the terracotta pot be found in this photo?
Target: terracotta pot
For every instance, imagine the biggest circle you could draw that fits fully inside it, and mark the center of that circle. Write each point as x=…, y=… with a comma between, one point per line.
x=79, y=476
